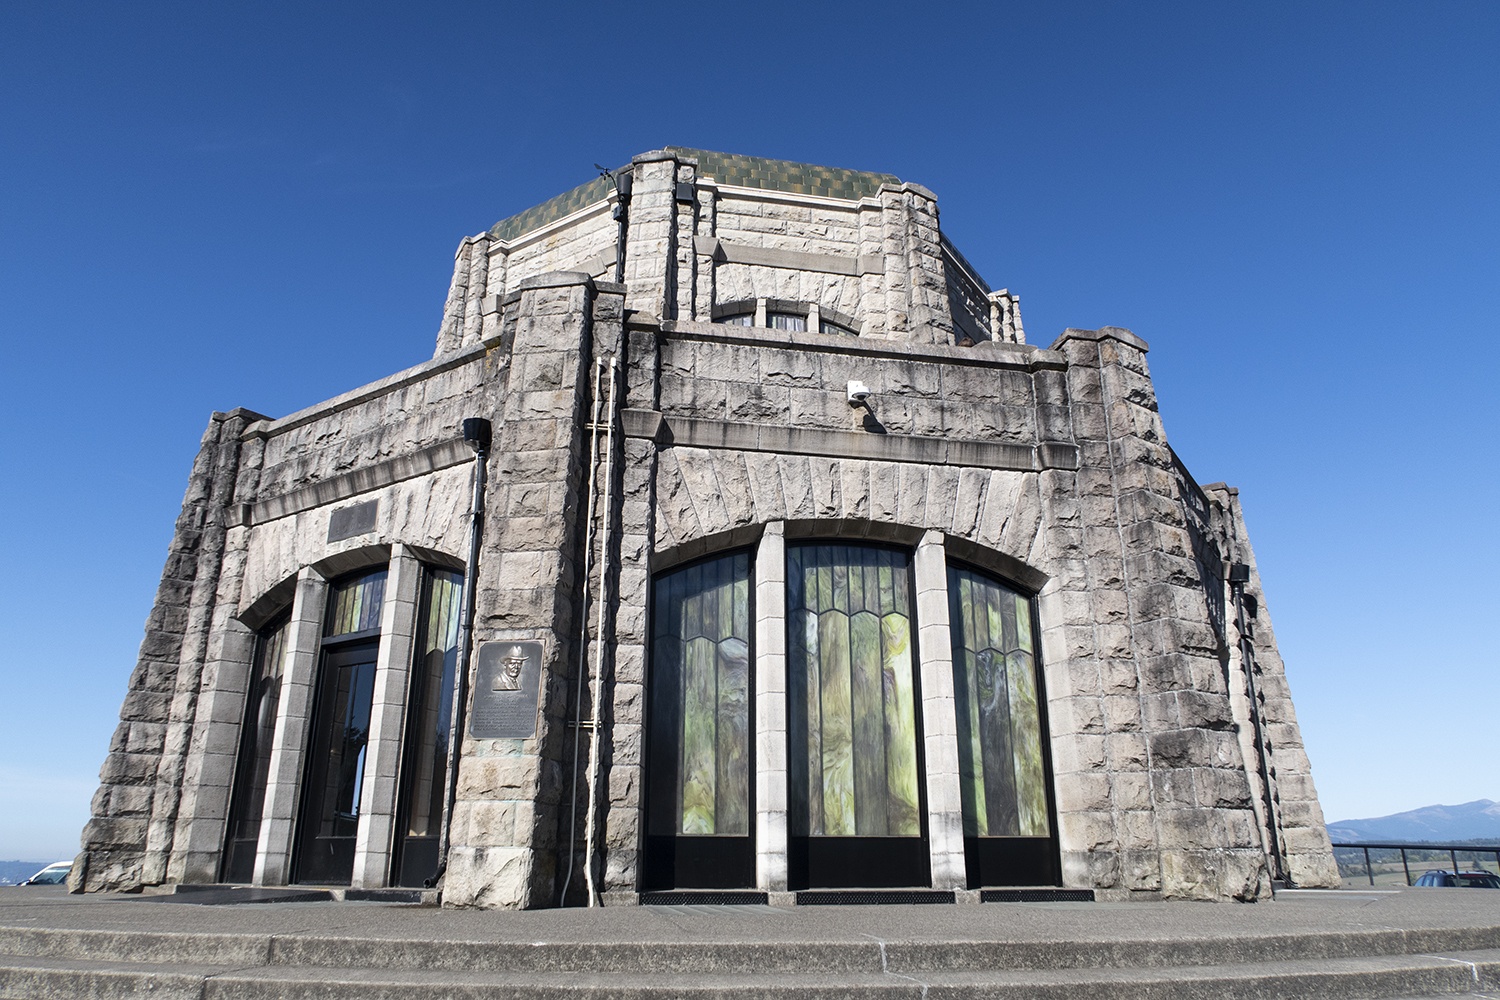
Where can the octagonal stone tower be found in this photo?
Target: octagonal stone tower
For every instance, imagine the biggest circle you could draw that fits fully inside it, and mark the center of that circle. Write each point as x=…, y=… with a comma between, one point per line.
x=746, y=547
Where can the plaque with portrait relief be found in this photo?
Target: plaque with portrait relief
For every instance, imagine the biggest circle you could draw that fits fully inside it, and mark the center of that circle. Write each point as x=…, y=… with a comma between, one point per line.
x=507, y=682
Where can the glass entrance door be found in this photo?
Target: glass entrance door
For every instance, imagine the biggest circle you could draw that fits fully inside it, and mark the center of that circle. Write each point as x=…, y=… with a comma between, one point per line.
x=336, y=766
x=856, y=813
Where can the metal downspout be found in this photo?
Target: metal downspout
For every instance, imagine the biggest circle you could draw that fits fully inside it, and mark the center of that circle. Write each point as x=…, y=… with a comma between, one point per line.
x=1239, y=573
x=597, y=680
x=583, y=632
x=477, y=434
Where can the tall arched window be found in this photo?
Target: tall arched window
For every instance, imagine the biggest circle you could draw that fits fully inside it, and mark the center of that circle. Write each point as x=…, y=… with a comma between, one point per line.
x=253, y=766
x=855, y=785
x=1001, y=742
x=429, y=728
x=334, y=778
x=699, y=812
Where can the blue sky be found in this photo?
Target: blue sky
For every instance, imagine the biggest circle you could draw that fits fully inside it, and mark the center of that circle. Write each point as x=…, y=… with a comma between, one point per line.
x=1296, y=205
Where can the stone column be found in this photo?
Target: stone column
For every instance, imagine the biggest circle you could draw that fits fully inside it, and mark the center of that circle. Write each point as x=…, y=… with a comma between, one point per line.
x=683, y=291
x=377, y=820
x=451, y=329
x=945, y=816
x=273, y=855
x=504, y=848
x=915, y=281
x=650, y=242
x=770, y=711
x=474, y=293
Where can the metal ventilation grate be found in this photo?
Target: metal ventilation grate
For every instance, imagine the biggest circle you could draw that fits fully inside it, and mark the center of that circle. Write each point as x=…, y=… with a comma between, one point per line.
x=1036, y=895
x=871, y=897
x=704, y=898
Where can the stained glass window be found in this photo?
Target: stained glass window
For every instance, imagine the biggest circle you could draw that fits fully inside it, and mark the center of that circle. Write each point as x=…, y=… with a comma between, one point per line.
x=700, y=700
x=999, y=721
x=354, y=604
x=851, y=699
x=429, y=724
x=254, y=762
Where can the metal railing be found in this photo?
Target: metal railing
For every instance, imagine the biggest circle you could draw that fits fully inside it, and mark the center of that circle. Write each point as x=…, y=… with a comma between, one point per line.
x=1407, y=851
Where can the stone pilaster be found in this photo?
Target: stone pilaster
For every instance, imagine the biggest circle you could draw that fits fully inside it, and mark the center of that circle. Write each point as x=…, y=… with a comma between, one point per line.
x=375, y=834
x=650, y=247
x=916, y=293
x=273, y=855
x=683, y=284
x=474, y=292
x=945, y=811
x=771, y=711
x=504, y=840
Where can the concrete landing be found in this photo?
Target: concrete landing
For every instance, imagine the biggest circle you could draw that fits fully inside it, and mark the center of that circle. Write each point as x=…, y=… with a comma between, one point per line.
x=1414, y=943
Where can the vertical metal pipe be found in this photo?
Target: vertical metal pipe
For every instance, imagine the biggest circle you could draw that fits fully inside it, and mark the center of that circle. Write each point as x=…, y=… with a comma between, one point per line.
x=583, y=631
x=465, y=645
x=1247, y=664
x=1369, y=872
x=1405, y=867
x=597, y=680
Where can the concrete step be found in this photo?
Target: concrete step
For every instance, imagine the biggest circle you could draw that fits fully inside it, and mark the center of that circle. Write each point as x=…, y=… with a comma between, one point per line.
x=310, y=949
x=1365, y=978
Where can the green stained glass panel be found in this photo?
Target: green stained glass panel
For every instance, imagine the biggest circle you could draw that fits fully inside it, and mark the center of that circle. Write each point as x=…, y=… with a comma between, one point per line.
x=1001, y=771
x=852, y=692
x=700, y=700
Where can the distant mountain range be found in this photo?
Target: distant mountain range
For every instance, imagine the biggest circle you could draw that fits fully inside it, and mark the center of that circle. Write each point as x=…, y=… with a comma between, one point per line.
x=1477, y=820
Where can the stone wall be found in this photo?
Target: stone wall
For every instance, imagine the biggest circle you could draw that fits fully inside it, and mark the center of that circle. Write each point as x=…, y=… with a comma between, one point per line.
x=1082, y=493
x=1294, y=799
x=1047, y=467
x=134, y=812
x=256, y=513
x=694, y=242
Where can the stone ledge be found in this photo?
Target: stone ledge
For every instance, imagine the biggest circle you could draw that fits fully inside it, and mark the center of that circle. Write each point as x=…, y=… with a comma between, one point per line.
x=433, y=458
x=988, y=354
x=697, y=432
x=374, y=390
x=793, y=260
x=1118, y=333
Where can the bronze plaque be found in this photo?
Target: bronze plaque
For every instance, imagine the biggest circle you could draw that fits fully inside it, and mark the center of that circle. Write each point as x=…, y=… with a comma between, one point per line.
x=506, y=685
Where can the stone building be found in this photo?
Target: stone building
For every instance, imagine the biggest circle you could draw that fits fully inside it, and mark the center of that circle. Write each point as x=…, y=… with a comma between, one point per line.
x=793, y=567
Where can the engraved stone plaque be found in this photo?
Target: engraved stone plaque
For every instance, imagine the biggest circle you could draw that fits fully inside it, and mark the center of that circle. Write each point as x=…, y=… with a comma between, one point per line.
x=356, y=519
x=506, y=684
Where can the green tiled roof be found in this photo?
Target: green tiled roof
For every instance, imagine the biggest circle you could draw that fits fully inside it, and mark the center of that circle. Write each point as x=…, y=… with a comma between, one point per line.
x=784, y=175
x=726, y=168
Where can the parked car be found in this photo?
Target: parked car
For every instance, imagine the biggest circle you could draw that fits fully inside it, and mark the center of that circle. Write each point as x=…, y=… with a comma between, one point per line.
x=54, y=874
x=1470, y=880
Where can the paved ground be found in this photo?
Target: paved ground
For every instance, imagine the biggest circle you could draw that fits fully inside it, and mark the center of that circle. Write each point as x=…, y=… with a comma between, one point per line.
x=1290, y=914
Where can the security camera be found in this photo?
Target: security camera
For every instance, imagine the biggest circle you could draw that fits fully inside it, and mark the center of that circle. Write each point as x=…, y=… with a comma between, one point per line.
x=858, y=393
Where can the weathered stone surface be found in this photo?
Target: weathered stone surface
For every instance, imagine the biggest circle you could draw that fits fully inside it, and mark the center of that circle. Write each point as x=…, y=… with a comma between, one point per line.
x=1046, y=469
